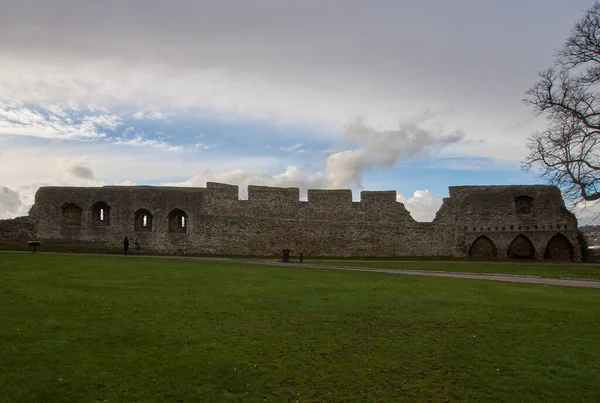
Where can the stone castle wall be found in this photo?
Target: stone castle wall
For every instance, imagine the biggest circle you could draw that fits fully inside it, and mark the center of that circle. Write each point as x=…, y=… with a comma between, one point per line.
x=20, y=228
x=478, y=221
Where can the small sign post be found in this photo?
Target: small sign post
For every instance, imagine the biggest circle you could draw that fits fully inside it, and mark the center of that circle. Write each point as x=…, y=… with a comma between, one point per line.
x=35, y=244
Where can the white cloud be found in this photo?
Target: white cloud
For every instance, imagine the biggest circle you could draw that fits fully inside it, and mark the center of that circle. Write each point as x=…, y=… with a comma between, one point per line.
x=422, y=205
x=139, y=141
x=202, y=146
x=10, y=203
x=409, y=139
x=381, y=149
x=149, y=114
x=79, y=170
x=347, y=167
x=293, y=147
x=53, y=122
x=588, y=213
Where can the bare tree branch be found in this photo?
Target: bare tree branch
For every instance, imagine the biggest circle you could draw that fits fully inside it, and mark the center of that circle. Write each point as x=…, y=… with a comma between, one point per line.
x=567, y=94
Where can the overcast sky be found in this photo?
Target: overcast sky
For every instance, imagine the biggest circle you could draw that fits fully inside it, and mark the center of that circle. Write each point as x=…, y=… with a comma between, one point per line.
x=412, y=96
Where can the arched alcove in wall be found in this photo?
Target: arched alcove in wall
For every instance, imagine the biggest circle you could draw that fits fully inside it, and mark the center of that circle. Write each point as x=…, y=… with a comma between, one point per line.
x=100, y=214
x=483, y=248
x=559, y=248
x=178, y=221
x=71, y=214
x=521, y=248
x=143, y=220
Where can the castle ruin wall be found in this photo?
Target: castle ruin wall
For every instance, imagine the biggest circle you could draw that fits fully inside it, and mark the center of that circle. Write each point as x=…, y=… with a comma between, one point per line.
x=503, y=221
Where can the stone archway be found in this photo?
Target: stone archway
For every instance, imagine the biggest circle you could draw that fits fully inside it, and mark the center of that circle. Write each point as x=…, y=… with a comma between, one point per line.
x=482, y=248
x=559, y=248
x=521, y=248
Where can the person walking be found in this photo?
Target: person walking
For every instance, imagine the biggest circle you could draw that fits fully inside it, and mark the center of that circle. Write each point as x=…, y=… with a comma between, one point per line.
x=126, y=245
x=136, y=244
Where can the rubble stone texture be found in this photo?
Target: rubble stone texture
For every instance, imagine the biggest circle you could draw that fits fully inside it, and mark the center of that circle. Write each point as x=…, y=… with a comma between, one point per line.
x=475, y=221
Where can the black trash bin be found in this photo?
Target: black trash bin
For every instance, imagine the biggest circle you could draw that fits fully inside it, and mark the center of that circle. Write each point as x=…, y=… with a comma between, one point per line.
x=286, y=256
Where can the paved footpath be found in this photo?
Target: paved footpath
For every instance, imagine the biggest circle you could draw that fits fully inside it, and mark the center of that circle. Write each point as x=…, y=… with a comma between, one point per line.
x=507, y=278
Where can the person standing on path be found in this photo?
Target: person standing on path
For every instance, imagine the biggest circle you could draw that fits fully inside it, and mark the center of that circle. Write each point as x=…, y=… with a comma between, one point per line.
x=136, y=244
x=126, y=246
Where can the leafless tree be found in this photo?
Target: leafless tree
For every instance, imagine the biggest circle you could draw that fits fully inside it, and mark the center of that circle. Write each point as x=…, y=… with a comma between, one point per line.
x=568, y=95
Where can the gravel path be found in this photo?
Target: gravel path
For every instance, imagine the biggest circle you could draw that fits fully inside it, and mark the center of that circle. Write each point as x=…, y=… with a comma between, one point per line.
x=508, y=278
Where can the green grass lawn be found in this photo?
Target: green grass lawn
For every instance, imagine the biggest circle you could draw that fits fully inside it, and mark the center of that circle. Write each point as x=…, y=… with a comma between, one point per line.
x=526, y=269
x=107, y=328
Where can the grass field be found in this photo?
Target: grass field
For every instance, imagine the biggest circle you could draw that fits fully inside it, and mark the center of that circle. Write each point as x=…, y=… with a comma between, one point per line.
x=542, y=269
x=101, y=328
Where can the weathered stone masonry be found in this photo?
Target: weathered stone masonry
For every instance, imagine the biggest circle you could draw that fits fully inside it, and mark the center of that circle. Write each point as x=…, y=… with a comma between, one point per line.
x=476, y=221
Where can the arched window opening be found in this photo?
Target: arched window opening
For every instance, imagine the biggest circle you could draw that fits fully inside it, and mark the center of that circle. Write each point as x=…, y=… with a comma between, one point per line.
x=523, y=204
x=559, y=248
x=71, y=214
x=178, y=221
x=101, y=214
x=483, y=248
x=143, y=220
x=521, y=248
